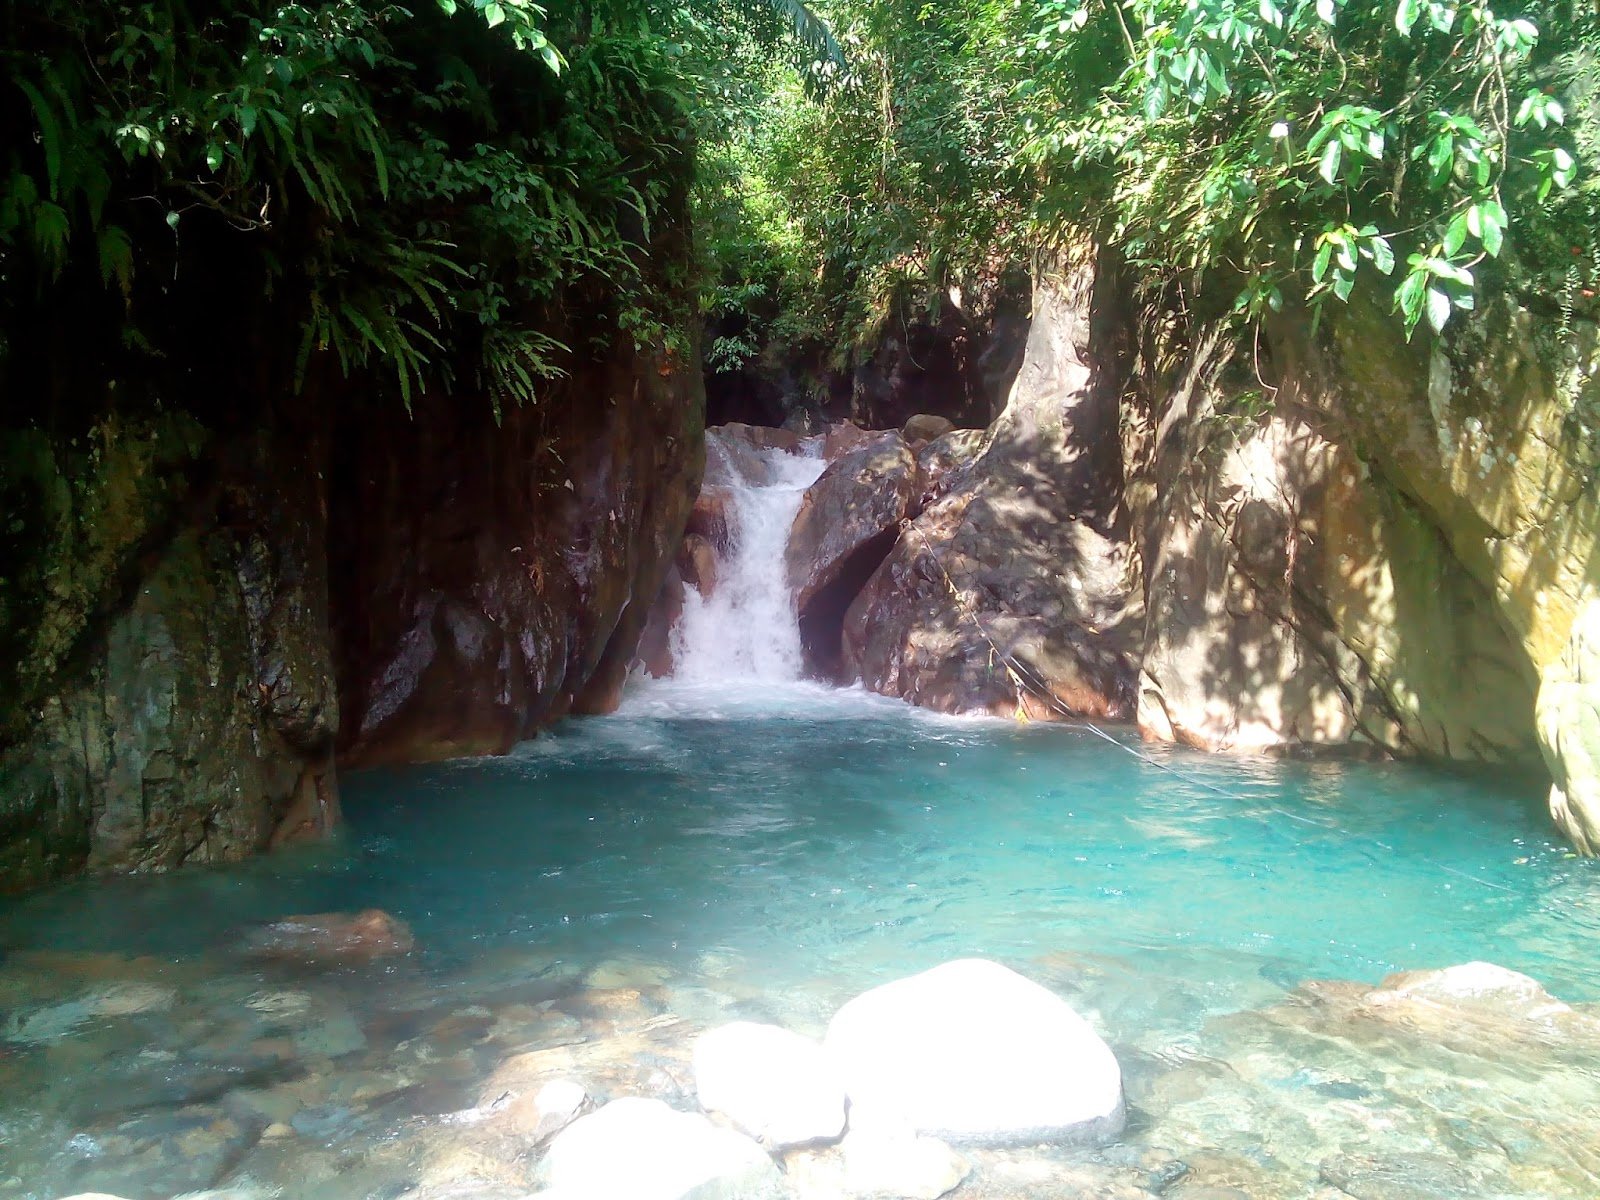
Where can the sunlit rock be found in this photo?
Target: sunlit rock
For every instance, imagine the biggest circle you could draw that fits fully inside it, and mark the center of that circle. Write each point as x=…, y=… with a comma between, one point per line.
x=1568, y=715
x=973, y=1053
x=774, y=1084
x=888, y=1158
x=333, y=937
x=643, y=1150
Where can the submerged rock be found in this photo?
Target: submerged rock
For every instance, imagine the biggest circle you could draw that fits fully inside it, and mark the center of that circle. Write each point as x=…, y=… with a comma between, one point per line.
x=333, y=937
x=643, y=1150
x=975, y=1054
x=774, y=1084
x=892, y=1160
x=53, y=1021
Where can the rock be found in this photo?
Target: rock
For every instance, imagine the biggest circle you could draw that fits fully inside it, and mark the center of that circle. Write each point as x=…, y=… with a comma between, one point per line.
x=842, y=438
x=333, y=937
x=697, y=563
x=737, y=455
x=336, y=1035
x=848, y=520
x=975, y=1054
x=1018, y=559
x=1568, y=719
x=708, y=518
x=774, y=1084
x=889, y=1161
x=940, y=462
x=53, y=1021
x=1476, y=985
x=924, y=427
x=1368, y=1176
x=643, y=1150
x=654, y=654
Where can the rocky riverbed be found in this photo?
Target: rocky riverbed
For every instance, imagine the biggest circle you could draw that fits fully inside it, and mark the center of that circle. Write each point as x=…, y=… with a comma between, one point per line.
x=377, y=1072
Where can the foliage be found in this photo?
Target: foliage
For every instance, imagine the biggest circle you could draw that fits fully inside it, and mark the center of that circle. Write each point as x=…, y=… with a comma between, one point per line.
x=417, y=189
x=826, y=213
x=1304, y=144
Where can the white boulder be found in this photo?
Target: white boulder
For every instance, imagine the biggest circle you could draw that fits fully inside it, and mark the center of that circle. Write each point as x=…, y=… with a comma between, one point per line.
x=642, y=1150
x=771, y=1082
x=973, y=1053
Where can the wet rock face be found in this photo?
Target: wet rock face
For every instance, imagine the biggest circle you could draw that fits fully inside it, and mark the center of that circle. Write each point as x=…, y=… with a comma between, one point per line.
x=1013, y=558
x=195, y=721
x=514, y=563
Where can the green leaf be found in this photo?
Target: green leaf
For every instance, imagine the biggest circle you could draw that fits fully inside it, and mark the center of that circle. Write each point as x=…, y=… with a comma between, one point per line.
x=1405, y=16
x=494, y=14
x=1438, y=308
x=1382, y=254
x=1331, y=157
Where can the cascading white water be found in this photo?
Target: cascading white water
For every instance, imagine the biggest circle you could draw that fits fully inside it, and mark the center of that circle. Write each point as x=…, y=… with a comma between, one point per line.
x=746, y=630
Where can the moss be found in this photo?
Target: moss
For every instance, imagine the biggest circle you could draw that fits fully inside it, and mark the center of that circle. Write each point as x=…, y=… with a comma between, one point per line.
x=78, y=514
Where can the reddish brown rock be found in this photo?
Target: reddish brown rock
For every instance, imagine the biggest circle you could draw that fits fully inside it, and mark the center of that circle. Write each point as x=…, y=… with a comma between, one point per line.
x=655, y=644
x=697, y=563
x=939, y=461
x=333, y=937
x=1008, y=594
x=709, y=516
x=493, y=573
x=842, y=438
x=847, y=522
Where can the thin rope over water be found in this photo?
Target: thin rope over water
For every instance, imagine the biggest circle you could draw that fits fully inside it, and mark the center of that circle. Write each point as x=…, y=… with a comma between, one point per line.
x=1037, y=688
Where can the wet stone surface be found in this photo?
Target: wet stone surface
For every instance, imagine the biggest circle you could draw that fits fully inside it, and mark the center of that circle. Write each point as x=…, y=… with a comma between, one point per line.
x=394, y=1080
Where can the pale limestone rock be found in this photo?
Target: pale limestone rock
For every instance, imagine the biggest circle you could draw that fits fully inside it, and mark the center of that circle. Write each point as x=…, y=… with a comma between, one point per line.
x=644, y=1150
x=973, y=1053
x=1569, y=731
x=888, y=1158
x=771, y=1082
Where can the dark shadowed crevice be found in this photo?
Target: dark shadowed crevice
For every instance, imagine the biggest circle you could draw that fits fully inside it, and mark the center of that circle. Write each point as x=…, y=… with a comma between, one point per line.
x=822, y=618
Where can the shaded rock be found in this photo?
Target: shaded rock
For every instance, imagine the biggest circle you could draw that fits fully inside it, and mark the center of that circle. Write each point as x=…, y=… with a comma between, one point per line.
x=495, y=570
x=847, y=522
x=644, y=1150
x=697, y=563
x=774, y=1084
x=737, y=454
x=941, y=460
x=924, y=427
x=1016, y=562
x=886, y=1160
x=654, y=654
x=708, y=518
x=973, y=1053
x=332, y=937
x=158, y=1154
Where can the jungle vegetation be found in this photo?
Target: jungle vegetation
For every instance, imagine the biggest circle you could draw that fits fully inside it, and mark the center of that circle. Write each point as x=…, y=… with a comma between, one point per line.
x=415, y=193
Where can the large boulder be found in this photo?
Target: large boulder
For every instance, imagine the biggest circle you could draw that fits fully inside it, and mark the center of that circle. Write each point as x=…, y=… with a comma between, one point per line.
x=973, y=1053
x=643, y=1150
x=1568, y=716
x=848, y=520
x=924, y=427
x=771, y=1082
x=1011, y=592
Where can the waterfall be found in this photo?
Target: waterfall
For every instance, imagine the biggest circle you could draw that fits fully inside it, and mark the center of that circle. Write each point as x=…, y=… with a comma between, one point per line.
x=746, y=630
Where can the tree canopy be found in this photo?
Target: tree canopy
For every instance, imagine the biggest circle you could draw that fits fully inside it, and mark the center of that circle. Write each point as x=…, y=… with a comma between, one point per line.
x=417, y=192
